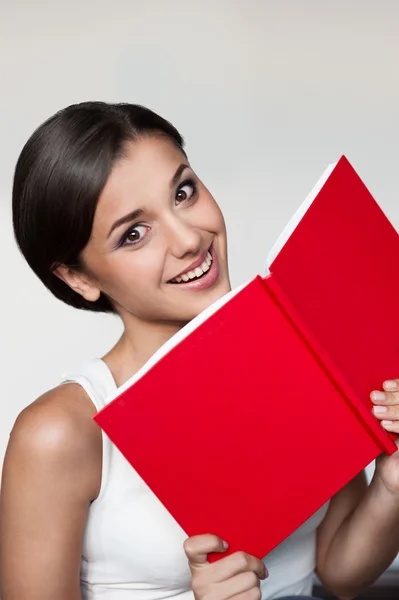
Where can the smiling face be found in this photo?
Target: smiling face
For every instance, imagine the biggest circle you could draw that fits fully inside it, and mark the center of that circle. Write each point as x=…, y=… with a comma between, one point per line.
x=158, y=243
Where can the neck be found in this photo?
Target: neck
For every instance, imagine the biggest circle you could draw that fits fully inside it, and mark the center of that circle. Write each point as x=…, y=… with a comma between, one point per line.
x=139, y=341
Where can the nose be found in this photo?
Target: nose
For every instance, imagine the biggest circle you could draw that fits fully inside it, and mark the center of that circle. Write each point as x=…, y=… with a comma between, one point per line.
x=183, y=238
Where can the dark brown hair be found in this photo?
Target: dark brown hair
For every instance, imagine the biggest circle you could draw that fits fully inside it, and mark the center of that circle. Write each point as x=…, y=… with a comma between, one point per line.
x=59, y=177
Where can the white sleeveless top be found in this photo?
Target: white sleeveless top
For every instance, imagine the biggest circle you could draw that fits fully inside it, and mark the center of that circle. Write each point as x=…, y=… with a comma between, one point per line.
x=133, y=548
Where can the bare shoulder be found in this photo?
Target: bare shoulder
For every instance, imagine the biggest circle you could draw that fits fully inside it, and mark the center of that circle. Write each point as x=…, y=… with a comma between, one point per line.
x=57, y=433
x=51, y=473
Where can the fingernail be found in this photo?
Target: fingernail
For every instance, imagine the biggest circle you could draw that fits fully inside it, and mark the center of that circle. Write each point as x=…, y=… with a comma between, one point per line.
x=380, y=409
x=390, y=385
x=378, y=396
x=225, y=545
x=386, y=423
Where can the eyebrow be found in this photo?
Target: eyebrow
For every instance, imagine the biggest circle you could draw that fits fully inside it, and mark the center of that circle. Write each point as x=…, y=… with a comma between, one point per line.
x=139, y=211
x=178, y=173
x=135, y=214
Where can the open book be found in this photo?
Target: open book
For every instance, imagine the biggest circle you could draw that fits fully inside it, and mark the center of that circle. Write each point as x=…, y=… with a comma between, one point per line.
x=257, y=412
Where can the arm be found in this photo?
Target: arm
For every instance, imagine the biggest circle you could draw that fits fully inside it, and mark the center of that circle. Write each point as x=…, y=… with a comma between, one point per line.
x=359, y=538
x=51, y=472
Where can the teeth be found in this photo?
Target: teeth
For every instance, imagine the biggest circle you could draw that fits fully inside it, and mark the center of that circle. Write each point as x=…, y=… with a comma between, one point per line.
x=197, y=272
x=205, y=267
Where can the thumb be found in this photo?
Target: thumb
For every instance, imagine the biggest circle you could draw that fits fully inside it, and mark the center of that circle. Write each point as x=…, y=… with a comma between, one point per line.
x=198, y=547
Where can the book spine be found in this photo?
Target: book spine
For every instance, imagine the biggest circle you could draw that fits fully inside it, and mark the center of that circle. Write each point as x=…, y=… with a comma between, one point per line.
x=384, y=441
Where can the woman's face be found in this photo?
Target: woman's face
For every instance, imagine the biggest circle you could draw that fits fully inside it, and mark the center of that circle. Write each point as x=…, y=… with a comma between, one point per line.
x=158, y=244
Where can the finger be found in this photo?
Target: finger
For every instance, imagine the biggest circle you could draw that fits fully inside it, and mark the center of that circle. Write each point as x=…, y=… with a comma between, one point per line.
x=238, y=584
x=391, y=385
x=391, y=426
x=198, y=547
x=385, y=398
x=387, y=412
x=252, y=594
x=236, y=563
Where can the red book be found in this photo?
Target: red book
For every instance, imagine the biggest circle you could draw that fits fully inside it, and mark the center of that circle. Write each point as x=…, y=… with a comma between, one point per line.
x=257, y=412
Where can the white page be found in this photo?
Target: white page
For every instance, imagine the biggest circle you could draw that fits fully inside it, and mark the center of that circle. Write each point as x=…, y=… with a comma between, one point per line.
x=296, y=218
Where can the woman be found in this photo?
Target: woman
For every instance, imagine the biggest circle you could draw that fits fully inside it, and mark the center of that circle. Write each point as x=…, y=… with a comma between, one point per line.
x=111, y=217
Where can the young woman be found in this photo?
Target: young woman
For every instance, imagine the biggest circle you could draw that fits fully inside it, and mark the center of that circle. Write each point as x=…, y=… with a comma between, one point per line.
x=111, y=217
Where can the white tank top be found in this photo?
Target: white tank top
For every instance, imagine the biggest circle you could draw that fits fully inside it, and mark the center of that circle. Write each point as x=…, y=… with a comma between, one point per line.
x=133, y=548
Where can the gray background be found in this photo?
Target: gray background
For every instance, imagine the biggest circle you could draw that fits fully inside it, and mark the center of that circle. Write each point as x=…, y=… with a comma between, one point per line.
x=267, y=94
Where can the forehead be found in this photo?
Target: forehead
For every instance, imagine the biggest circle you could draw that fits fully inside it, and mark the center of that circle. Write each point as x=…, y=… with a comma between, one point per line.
x=141, y=177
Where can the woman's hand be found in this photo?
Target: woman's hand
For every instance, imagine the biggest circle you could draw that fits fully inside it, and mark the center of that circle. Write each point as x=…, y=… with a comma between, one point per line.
x=235, y=576
x=386, y=409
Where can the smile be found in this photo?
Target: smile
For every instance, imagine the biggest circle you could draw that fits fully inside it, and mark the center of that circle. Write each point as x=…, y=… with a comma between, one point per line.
x=200, y=275
x=196, y=273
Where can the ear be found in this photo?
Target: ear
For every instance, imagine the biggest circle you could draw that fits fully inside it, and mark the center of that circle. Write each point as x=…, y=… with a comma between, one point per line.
x=78, y=282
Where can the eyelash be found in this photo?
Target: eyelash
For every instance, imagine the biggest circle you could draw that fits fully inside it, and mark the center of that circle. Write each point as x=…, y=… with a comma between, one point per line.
x=123, y=241
x=188, y=182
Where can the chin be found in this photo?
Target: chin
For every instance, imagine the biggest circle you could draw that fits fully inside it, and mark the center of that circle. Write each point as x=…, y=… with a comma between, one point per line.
x=193, y=306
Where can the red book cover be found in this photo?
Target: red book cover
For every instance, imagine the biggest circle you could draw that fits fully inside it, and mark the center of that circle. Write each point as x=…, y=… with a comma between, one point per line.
x=256, y=413
x=338, y=269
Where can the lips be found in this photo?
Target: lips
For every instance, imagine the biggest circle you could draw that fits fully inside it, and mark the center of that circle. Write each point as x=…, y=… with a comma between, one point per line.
x=197, y=263
x=194, y=272
x=200, y=275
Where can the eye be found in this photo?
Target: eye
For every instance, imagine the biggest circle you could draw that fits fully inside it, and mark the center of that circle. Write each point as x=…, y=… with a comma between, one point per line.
x=134, y=235
x=186, y=191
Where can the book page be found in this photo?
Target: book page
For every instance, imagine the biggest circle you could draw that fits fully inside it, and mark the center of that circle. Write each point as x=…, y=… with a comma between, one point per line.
x=178, y=337
x=296, y=218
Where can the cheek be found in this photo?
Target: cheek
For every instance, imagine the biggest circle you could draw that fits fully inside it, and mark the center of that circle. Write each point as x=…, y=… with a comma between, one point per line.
x=128, y=272
x=211, y=216
x=220, y=220
x=137, y=269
